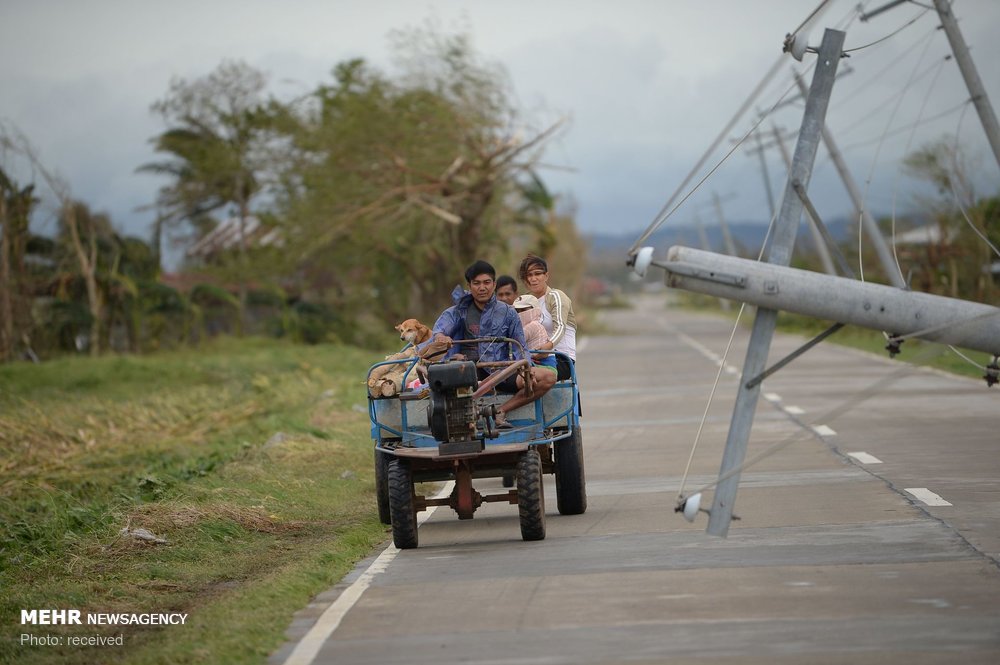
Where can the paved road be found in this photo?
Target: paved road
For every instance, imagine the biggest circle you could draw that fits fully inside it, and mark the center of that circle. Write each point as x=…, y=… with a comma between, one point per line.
x=836, y=558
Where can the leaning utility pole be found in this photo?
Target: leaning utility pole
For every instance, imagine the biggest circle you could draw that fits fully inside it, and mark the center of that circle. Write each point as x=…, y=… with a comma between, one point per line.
x=965, y=65
x=971, y=76
x=780, y=253
x=727, y=237
x=867, y=221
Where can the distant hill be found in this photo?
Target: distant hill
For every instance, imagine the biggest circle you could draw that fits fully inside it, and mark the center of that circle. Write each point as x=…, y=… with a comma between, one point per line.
x=746, y=235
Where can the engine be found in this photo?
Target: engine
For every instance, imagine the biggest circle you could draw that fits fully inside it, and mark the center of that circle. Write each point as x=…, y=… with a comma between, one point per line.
x=452, y=412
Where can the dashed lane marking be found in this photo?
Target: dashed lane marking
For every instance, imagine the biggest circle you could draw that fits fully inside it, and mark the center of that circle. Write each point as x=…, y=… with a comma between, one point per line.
x=823, y=430
x=772, y=397
x=794, y=410
x=926, y=496
x=865, y=458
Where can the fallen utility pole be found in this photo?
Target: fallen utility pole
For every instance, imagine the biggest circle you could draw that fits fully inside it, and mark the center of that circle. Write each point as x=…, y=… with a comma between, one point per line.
x=934, y=318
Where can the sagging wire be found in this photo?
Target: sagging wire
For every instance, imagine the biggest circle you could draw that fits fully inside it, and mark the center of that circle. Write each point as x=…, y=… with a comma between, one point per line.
x=837, y=411
x=904, y=128
x=878, y=149
x=722, y=366
x=829, y=416
x=811, y=16
x=760, y=256
x=878, y=76
x=967, y=358
x=954, y=192
x=891, y=34
x=661, y=217
x=906, y=150
x=965, y=215
x=882, y=103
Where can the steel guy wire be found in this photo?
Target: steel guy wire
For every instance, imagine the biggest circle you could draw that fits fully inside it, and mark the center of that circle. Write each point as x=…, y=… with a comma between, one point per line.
x=878, y=76
x=869, y=115
x=661, y=217
x=954, y=192
x=966, y=358
x=906, y=150
x=891, y=34
x=816, y=11
x=878, y=150
x=904, y=128
x=840, y=409
x=722, y=366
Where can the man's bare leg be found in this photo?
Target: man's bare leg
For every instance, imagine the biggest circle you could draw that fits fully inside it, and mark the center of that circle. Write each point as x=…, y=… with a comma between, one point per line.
x=543, y=379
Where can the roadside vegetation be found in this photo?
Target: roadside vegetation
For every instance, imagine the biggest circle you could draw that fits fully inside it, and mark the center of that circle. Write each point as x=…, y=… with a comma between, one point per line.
x=250, y=458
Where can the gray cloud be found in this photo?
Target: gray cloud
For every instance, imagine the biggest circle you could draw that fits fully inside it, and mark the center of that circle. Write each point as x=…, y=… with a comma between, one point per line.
x=648, y=85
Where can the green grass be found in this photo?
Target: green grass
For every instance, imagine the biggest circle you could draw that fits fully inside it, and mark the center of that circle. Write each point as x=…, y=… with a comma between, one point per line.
x=177, y=443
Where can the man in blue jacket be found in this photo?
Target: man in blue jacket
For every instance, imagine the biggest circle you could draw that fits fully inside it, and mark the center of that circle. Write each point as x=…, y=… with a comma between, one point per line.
x=478, y=313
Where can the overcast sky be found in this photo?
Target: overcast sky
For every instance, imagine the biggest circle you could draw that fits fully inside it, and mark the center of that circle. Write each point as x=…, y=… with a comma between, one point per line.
x=647, y=84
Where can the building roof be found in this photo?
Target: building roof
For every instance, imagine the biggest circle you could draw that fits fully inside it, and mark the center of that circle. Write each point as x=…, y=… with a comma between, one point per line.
x=227, y=236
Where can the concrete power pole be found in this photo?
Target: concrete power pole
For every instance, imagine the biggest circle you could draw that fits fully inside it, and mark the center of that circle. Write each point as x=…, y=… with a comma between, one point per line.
x=971, y=76
x=727, y=237
x=867, y=221
x=780, y=253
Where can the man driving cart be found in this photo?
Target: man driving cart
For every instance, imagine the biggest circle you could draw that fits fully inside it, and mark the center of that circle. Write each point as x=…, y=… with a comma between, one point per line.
x=478, y=314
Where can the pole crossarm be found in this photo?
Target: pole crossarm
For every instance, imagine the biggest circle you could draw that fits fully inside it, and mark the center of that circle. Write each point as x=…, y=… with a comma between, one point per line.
x=830, y=243
x=757, y=380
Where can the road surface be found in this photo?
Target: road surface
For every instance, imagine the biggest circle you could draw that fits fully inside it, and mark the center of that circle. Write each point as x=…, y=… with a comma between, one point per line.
x=873, y=538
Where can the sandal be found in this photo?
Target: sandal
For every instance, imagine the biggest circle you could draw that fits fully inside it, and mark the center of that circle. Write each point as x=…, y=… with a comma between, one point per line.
x=500, y=420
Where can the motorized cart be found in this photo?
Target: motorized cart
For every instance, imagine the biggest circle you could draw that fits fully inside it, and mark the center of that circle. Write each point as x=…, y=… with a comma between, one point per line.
x=445, y=430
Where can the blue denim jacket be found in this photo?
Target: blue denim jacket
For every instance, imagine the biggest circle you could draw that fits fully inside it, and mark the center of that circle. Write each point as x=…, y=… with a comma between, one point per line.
x=498, y=319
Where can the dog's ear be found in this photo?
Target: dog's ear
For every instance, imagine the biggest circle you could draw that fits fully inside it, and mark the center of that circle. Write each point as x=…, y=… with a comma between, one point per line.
x=399, y=328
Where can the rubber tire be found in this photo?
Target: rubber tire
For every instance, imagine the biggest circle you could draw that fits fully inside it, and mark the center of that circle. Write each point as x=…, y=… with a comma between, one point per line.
x=382, y=486
x=571, y=483
x=401, y=506
x=531, y=496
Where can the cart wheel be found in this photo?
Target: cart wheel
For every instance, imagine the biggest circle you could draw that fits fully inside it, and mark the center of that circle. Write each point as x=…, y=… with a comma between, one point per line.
x=531, y=496
x=508, y=480
x=382, y=486
x=571, y=485
x=401, y=505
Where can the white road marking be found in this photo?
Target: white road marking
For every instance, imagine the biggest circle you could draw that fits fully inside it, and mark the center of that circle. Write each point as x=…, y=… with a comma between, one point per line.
x=865, y=458
x=700, y=348
x=731, y=370
x=310, y=644
x=772, y=397
x=794, y=410
x=823, y=430
x=927, y=496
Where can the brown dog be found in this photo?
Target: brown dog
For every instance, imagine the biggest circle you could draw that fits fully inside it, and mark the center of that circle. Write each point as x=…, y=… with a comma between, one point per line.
x=386, y=380
x=413, y=331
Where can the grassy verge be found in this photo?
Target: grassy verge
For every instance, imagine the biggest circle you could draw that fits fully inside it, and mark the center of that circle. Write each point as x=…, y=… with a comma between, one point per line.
x=857, y=338
x=250, y=458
